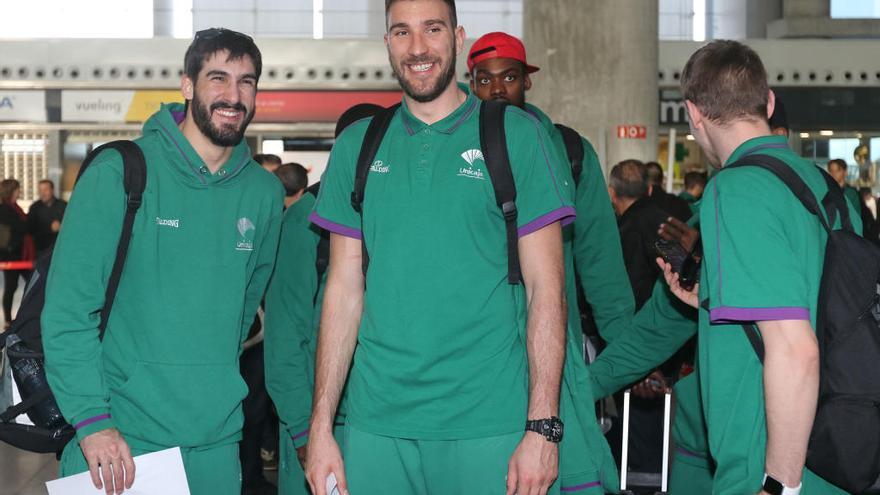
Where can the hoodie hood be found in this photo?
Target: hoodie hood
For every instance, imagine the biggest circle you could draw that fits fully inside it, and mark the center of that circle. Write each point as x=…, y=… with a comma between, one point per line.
x=162, y=129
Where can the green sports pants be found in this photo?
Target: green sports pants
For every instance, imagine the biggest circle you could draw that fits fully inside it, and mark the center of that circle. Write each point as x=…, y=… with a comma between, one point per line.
x=214, y=471
x=378, y=465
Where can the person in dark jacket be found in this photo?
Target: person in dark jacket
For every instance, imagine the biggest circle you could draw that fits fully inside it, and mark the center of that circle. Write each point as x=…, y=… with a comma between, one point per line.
x=45, y=215
x=670, y=203
x=16, y=243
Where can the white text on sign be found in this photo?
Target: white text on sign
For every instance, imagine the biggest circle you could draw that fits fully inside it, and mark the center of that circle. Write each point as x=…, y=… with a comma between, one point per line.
x=632, y=132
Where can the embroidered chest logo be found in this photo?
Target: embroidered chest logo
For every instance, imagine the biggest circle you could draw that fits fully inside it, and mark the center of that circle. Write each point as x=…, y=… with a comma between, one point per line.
x=471, y=157
x=379, y=167
x=246, y=230
x=168, y=222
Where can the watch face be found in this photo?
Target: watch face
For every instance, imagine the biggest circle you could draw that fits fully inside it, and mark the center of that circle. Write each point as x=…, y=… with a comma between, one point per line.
x=556, y=430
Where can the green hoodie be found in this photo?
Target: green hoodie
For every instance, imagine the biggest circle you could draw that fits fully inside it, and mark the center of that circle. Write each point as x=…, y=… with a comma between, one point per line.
x=202, y=251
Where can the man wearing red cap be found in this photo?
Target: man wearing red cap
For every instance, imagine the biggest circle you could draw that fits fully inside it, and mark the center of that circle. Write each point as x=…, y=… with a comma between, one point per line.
x=499, y=70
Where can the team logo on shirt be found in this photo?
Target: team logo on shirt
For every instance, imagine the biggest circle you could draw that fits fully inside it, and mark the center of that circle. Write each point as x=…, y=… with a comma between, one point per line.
x=246, y=230
x=379, y=167
x=168, y=222
x=471, y=156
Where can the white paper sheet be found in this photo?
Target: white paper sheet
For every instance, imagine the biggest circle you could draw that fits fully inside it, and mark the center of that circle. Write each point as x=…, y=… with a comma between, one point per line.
x=159, y=473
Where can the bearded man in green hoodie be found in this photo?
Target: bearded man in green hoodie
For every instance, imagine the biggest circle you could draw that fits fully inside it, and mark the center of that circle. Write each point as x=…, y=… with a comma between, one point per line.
x=203, y=248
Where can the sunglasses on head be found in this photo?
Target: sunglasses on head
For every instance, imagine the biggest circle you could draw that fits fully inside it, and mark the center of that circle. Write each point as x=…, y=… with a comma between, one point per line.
x=211, y=33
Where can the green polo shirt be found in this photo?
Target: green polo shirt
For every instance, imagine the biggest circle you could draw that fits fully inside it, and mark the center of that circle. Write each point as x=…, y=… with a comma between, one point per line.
x=763, y=257
x=441, y=347
x=595, y=245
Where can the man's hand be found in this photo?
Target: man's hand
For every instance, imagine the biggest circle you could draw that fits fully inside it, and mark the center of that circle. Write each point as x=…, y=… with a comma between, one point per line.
x=301, y=454
x=55, y=226
x=107, y=449
x=689, y=297
x=322, y=458
x=533, y=467
x=651, y=387
x=675, y=230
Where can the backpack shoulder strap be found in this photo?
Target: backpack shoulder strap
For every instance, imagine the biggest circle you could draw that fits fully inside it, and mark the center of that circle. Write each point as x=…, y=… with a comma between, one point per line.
x=322, y=257
x=369, y=147
x=493, y=142
x=134, y=183
x=574, y=147
x=803, y=193
x=788, y=177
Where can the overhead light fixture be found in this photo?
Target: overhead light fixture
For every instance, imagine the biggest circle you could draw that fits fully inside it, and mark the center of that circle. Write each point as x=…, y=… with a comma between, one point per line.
x=826, y=133
x=690, y=137
x=805, y=135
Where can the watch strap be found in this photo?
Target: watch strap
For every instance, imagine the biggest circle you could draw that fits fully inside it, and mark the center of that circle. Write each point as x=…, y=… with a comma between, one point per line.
x=775, y=487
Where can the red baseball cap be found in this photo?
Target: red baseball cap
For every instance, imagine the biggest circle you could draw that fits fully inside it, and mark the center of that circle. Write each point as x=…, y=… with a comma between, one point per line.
x=498, y=45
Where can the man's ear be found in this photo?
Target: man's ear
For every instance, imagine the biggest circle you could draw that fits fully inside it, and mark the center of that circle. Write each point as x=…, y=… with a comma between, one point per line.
x=527, y=82
x=771, y=103
x=186, y=87
x=695, y=115
x=459, y=39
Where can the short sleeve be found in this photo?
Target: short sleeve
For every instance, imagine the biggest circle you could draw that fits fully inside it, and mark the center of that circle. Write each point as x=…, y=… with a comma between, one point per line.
x=333, y=210
x=544, y=187
x=753, y=272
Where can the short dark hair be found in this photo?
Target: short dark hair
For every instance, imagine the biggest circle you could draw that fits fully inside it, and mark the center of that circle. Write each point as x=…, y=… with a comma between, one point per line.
x=655, y=173
x=629, y=179
x=207, y=42
x=294, y=177
x=837, y=162
x=453, y=17
x=726, y=80
x=47, y=181
x=262, y=158
x=694, y=179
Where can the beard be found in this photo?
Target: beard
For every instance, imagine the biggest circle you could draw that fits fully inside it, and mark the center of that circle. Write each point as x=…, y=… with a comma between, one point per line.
x=225, y=135
x=432, y=91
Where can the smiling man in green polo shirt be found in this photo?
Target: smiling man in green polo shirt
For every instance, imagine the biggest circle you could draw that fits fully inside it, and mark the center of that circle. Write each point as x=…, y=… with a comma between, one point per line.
x=763, y=258
x=448, y=366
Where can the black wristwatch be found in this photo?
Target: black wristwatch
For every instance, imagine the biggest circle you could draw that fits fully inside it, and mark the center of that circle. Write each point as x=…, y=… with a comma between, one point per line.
x=551, y=428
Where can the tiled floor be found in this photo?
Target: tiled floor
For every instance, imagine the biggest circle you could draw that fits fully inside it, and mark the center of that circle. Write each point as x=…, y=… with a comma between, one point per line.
x=24, y=473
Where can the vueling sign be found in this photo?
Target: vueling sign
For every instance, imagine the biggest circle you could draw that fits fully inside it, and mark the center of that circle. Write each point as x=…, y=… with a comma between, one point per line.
x=6, y=102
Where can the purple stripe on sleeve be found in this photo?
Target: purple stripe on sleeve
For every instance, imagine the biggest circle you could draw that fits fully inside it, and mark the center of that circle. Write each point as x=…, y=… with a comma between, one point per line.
x=335, y=227
x=94, y=419
x=577, y=488
x=726, y=314
x=564, y=213
x=299, y=435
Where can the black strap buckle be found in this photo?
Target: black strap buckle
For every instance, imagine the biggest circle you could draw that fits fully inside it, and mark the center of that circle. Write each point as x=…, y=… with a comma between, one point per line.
x=134, y=202
x=509, y=211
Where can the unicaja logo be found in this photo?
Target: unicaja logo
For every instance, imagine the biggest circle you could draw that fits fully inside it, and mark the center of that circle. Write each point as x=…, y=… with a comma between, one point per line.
x=246, y=231
x=471, y=156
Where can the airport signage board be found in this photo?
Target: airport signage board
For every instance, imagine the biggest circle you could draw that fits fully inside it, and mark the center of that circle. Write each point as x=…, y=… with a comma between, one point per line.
x=113, y=106
x=272, y=106
x=22, y=106
x=316, y=106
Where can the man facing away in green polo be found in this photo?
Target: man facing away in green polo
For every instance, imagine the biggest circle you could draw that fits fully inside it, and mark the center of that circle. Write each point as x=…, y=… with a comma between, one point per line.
x=762, y=264
x=202, y=250
x=449, y=364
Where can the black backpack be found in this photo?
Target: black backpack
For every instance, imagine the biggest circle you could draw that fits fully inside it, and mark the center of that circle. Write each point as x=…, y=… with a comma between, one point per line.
x=23, y=340
x=844, y=446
